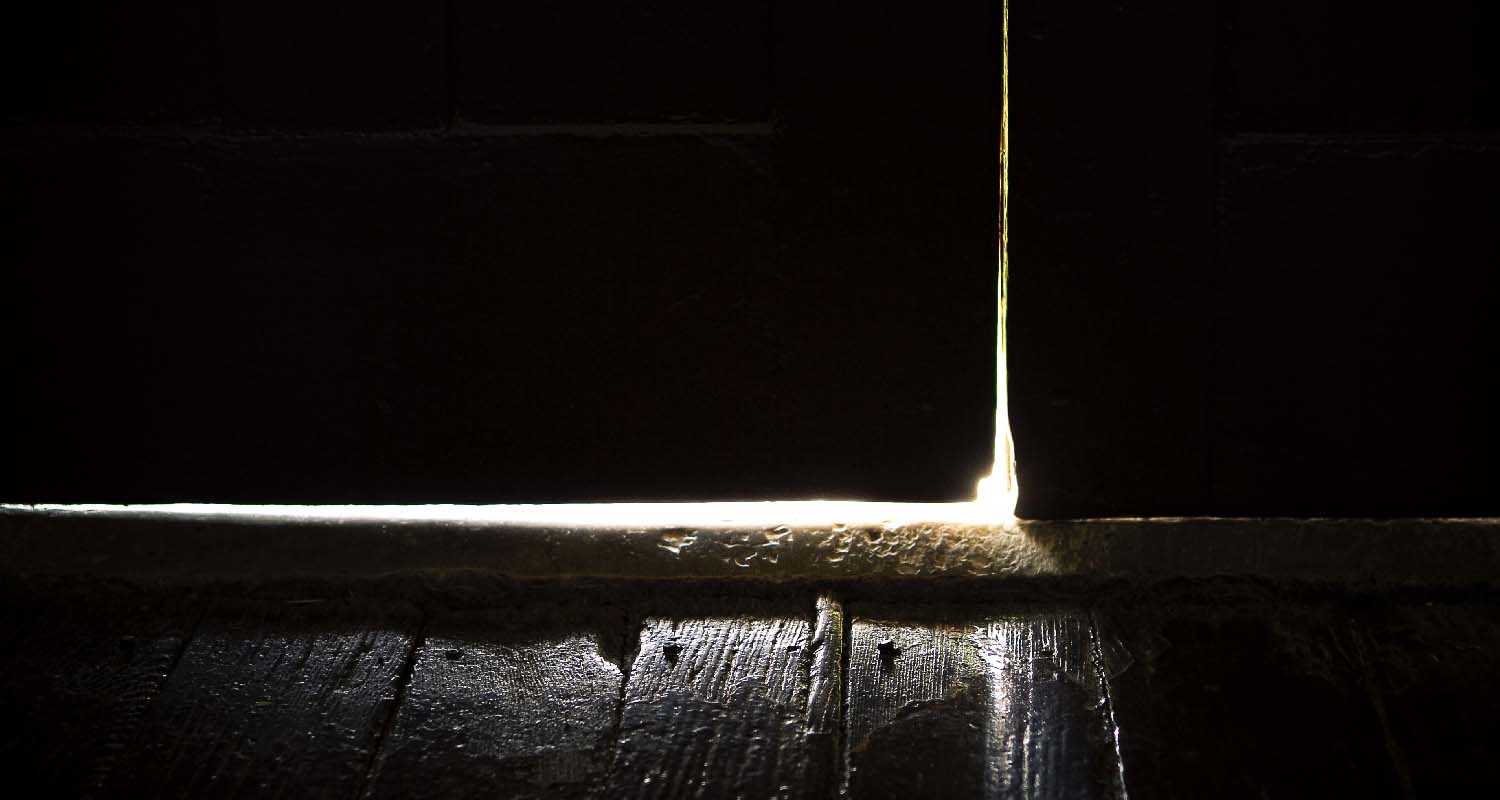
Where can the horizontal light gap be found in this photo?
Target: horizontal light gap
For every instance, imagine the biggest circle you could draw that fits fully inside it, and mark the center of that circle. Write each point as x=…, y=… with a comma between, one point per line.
x=592, y=515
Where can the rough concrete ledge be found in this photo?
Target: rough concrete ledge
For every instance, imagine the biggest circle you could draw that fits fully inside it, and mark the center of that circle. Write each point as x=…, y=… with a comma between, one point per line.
x=740, y=541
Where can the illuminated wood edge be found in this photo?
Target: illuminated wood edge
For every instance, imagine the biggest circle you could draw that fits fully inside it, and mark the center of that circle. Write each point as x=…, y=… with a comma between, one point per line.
x=160, y=544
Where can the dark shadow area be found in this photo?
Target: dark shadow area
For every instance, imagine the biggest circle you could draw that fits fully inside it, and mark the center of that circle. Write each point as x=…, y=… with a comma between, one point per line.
x=453, y=252
x=1251, y=247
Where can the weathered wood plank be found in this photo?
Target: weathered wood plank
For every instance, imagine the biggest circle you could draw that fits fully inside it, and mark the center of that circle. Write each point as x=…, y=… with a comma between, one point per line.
x=1433, y=677
x=513, y=703
x=1003, y=705
x=823, y=723
x=273, y=697
x=1237, y=697
x=723, y=706
x=82, y=666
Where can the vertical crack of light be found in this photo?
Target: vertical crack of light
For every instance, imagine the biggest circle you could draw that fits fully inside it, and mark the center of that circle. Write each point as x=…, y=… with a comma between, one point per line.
x=999, y=489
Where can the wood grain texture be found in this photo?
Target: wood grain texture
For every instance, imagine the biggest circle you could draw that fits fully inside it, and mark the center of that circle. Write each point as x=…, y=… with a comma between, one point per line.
x=273, y=697
x=1006, y=705
x=720, y=706
x=512, y=703
x=1226, y=690
x=823, y=722
x=79, y=673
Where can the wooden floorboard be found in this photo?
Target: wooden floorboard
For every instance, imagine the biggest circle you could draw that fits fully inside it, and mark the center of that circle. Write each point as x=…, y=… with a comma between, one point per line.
x=272, y=698
x=520, y=702
x=723, y=705
x=1247, y=700
x=1004, y=705
x=80, y=672
x=1214, y=690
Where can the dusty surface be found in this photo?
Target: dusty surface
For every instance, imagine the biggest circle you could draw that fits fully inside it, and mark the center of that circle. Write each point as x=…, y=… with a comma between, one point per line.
x=444, y=652
x=897, y=543
x=1223, y=688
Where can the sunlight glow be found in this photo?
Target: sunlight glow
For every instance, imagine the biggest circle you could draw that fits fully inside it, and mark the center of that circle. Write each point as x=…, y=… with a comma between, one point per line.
x=1000, y=489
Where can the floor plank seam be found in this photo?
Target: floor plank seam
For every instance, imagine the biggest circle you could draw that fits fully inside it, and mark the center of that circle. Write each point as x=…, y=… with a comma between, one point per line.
x=1103, y=679
x=1369, y=683
x=104, y=767
x=808, y=665
x=840, y=787
x=403, y=683
x=630, y=648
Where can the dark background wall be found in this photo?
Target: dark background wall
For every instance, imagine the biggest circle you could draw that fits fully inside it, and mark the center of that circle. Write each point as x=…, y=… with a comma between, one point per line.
x=1253, y=252
x=476, y=251
x=464, y=251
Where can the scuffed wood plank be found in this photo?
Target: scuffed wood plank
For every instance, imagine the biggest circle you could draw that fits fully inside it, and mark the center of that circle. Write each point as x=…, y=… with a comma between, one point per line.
x=825, y=676
x=916, y=712
x=825, y=700
x=1226, y=694
x=720, y=706
x=507, y=704
x=1051, y=713
x=273, y=697
x=81, y=669
x=1004, y=705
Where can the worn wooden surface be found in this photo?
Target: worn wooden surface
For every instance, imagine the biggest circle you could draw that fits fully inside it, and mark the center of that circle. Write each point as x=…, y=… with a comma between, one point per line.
x=519, y=701
x=719, y=706
x=79, y=672
x=283, y=697
x=1240, y=698
x=1006, y=705
x=1202, y=689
